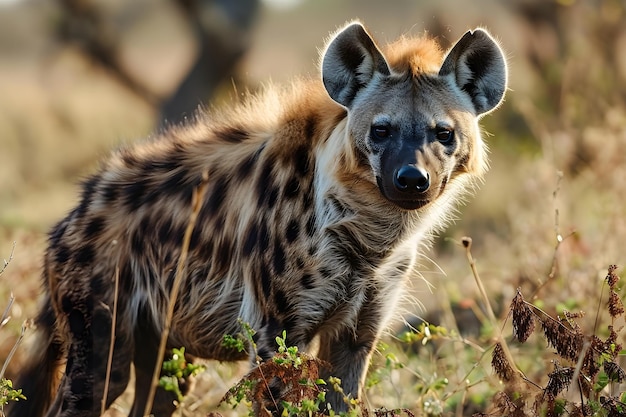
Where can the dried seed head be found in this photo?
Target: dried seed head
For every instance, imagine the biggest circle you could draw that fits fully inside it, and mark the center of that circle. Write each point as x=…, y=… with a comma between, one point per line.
x=501, y=365
x=560, y=379
x=523, y=318
x=616, y=307
x=611, y=277
x=614, y=372
x=568, y=343
x=503, y=403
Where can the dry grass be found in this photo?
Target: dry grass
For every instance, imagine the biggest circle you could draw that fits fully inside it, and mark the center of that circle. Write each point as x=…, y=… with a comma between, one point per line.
x=549, y=220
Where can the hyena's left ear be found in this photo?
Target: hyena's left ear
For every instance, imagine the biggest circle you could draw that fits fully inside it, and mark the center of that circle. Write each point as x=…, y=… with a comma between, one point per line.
x=350, y=62
x=478, y=67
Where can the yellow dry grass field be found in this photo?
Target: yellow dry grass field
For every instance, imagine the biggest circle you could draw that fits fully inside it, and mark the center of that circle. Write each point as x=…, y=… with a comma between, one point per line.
x=549, y=219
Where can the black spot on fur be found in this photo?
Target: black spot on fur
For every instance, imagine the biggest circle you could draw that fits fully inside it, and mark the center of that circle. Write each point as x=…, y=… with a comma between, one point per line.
x=110, y=193
x=307, y=196
x=56, y=234
x=165, y=231
x=252, y=238
x=62, y=254
x=224, y=254
x=89, y=188
x=278, y=258
x=135, y=194
x=233, y=135
x=195, y=240
x=266, y=281
x=272, y=197
x=175, y=159
x=140, y=237
x=264, y=182
x=218, y=223
x=310, y=225
x=85, y=254
x=94, y=226
x=177, y=183
x=246, y=166
x=307, y=281
x=264, y=237
x=249, y=163
x=293, y=231
x=301, y=160
x=326, y=273
x=292, y=188
x=218, y=195
x=281, y=301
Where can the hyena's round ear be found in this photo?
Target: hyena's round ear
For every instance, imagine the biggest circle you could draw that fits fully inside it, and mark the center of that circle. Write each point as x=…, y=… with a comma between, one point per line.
x=350, y=62
x=478, y=67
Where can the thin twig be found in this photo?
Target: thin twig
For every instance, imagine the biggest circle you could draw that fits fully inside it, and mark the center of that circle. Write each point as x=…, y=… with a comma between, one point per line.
x=559, y=237
x=5, y=315
x=579, y=366
x=25, y=326
x=196, y=204
x=467, y=244
x=7, y=261
x=107, y=377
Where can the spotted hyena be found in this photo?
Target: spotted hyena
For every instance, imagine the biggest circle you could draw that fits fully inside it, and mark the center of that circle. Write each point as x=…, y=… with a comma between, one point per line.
x=319, y=198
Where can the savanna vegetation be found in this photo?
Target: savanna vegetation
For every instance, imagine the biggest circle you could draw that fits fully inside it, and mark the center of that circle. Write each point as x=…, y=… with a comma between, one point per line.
x=520, y=310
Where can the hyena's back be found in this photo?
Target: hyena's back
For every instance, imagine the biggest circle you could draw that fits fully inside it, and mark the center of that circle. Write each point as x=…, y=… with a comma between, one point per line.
x=311, y=220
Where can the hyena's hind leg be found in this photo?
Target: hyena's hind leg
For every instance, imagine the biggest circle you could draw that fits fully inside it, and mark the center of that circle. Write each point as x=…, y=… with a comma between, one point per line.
x=81, y=392
x=38, y=378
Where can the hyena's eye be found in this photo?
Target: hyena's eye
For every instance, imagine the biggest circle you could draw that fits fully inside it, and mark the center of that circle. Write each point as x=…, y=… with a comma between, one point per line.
x=381, y=132
x=444, y=134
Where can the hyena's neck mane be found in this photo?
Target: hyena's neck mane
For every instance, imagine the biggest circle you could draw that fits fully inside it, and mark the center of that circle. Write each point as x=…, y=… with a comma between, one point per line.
x=351, y=207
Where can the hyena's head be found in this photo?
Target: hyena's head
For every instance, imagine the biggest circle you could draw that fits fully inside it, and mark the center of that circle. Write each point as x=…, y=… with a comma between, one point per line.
x=413, y=112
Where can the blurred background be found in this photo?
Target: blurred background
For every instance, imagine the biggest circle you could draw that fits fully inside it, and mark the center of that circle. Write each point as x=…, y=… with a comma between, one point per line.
x=79, y=77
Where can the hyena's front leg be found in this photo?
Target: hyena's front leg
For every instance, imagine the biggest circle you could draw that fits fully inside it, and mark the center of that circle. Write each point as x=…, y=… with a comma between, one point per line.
x=348, y=355
x=145, y=359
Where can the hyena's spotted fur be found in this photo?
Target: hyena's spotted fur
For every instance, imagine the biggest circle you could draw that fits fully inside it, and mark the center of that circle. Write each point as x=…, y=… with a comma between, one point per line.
x=318, y=199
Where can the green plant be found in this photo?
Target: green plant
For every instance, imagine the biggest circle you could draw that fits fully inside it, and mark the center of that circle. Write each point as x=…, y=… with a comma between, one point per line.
x=8, y=393
x=177, y=369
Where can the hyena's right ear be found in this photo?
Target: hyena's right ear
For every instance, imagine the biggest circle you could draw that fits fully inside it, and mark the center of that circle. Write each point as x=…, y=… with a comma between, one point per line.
x=350, y=62
x=478, y=67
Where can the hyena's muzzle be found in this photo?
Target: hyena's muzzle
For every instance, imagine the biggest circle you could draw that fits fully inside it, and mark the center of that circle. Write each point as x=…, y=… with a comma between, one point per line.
x=413, y=170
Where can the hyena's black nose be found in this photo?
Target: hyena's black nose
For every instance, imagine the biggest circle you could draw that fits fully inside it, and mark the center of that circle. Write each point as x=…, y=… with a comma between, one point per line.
x=411, y=178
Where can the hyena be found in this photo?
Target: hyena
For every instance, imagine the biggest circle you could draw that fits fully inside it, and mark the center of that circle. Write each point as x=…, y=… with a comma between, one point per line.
x=318, y=200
